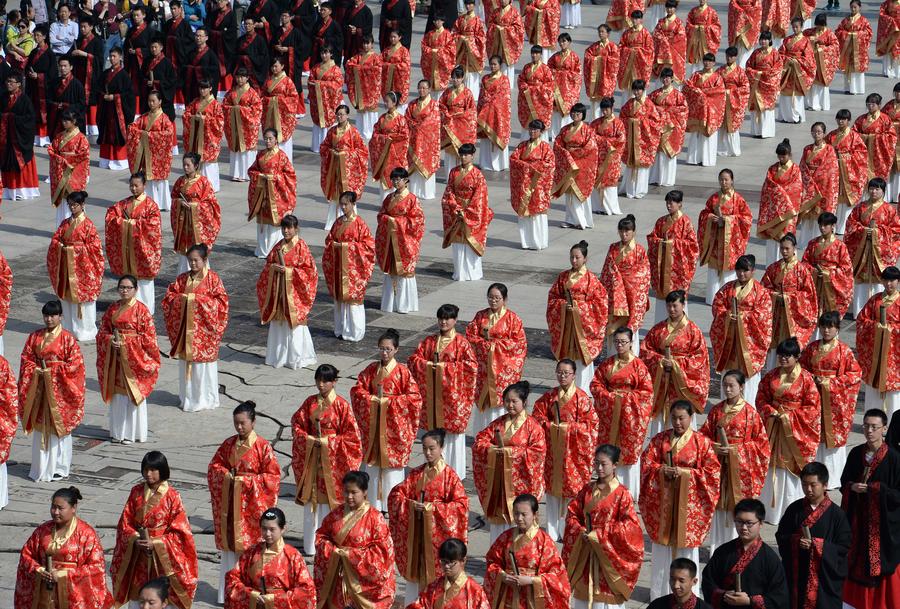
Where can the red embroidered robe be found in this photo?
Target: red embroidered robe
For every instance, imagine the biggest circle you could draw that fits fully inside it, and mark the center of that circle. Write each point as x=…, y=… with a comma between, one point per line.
x=69, y=164
x=424, y=120
x=465, y=209
x=398, y=236
x=464, y=593
x=242, y=110
x=6, y=284
x=610, y=137
x=534, y=554
x=505, y=35
x=601, y=70
x=619, y=15
x=272, y=192
x=852, y=156
x=789, y=405
x=438, y=57
x=764, y=68
x=348, y=259
x=326, y=92
x=643, y=130
x=134, y=237
x=820, y=175
x=288, y=584
x=877, y=132
x=132, y=368
x=445, y=370
x=799, y=65
x=203, y=124
x=459, y=119
x=721, y=246
x=837, y=375
x=75, y=260
x=626, y=277
x=706, y=98
x=531, y=169
x=779, y=201
x=776, y=17
x=9, y=403
x=673, y=251
x=388, y=147
x=577, y=312
x=795, y=309
x=876, y=347
x=825, y=51
x=833, y=273
x=287, y=294
x=670, y=47
x=737, y=96
x=744, y=22
x=471, y=40
x=741, y=330
x=363, y=79
x=149, y=145
x=344, y=162
x=854, y=33
x=887, y=41
x=395, y=71
x=195, y=216
x=498, y=340
x=872, y=238
x=541, y=21
x=536, y=94
x=636, y=56
x=281, y=102
x=623, y=397
x=576, y=157
x=704, y=33
x=673, y=112
x=683, y=344
x=566, y=68
x=196, y=314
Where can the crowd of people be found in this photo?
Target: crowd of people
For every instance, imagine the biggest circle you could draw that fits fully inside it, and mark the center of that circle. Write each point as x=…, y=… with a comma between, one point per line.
x=613, y=450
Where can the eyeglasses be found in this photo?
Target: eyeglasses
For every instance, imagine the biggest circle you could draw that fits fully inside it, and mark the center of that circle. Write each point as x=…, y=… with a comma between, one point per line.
x=564, y=373
x=745, y=524
x=621, y=342
x=448, y=563
x=386, y=349
x=872, y=427
x=125, y=288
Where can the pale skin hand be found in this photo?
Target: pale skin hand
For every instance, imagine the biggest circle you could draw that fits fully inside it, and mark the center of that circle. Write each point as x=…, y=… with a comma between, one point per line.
x=737, y=599
x=805, y=543
x=722, y=451
x=517, y=580
x=670, y=472
x=48, y=576
x=859, y=487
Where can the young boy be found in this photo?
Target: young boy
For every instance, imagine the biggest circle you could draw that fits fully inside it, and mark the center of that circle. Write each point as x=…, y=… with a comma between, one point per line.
x=682, y=579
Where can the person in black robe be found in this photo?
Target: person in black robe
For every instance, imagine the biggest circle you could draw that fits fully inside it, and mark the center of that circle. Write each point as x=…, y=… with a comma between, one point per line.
x=870, y=485
x=17, y=130
x=745, y=570
x=222, y=32
x=40, y=70
x=446, y=9
x=88, y=58
x=395, y=16
x=813, y=538
x=137, y=46
x=66, y=93
x=357, y=25
x=203, y=65
x=327, y=32
x=682, y=579
x=179, y=35
x=288, y=43
x=158, y=74
x=116, y=107
x=265, y=16
x=253, y=52
x=893, y=434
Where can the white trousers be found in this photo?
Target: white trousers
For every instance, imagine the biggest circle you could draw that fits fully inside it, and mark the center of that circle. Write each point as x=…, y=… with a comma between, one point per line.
x=267, y=237
x=660, y=559
x=584, y=375
x=818, y=98
x=287, y=147
x=854, y=83
x=510, y=72
x=729, y=143
x=606, y=200
x=365, y=124
x=751, y=388
x=744, y=54
x=239, y=164
x=570, y=16
x=534, y=232
x=664, y=170
x=781, y=489
x=201, y=390
x=54, y=462
x=714, y=282
x=455, y=453
x=556, y=516
x=492, y=158
x=289, y=347
x=630, y=476
x=422, y=188
x=332, y=215
x=158, y=190
x=834, y=459
x=349, y=321
x=410, y=592
x=381, y=481
x=635, y=182
x=578, y=213
x=229, y=561
x=312, y=519
x=127, y=421
x=773, y=251
x=146, y=293
x=211, y=171
x=762, y=124
x=807, y=230
x=702, y=150
x=318, y=136
x=84, y=328
x=654, y=13
x=62, y=213
x=472, y=81
x=480, y=420
x=400, y=294
x=890, y=402
x=114, y=164
x=722, y=530
x=558, y=121
x=890, y=66
x=580, y=604
x=4, y=487
x=862, y=292
x=791, y=108
x=466, y=263
x=496, y=530
x=842, y=213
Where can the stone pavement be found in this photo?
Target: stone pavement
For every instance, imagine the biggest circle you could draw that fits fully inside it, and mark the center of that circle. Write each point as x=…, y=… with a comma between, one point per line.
x=105, y=472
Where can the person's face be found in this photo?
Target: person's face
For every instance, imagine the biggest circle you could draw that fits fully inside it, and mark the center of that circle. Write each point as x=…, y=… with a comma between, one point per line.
x=136, y=186
x=277, y=68
x=243, y=424
x=765, y=43
x=151, y=477
x=732, y=388
x=241, y=79
x=843, y=122
x=466, y=158
x=51, y=321
x=622, y=343
x=872, y=107
x=270, y=140
x=681, y=421
x=673, y=206
x=324, y=12
x=495, y=66
x=386, y=350
x=389, y=103
x=797, y=27
x=205, y=91
x=149, y=599
x=325, y=55
x=709, y=65
x=201, y=37
x=12, y=85
x=890, y=285
x=637, y=93
x=565, y=374
x=271, y=532
x=451, y=569
x=76, y=207
x=188, y=166
x=606, y=112
x=439, y=24
x=854, y=8
x=787, y=250
x=155, y=49
x=495, y=300
x=523, y=516
x=348, y=208
x=675, y=309
x=289, y=232
x=638, y=22
x=897, y=96
x=743, y=276
x=829, y=333
x=138, y=17
x=367, y=46
x=445, y=325
x=576, y=258
x=285, y=19
x=813, y=489
x=177, y=12
x=196, y=263
x=63, y=13
x=626, y=235
x=747, y=526
x=602, y=34
x=423, y=89
x=875, y=193
x=153, y=102
x=534, y=134
x=354, y=496
x=394, y=38
x=513, y=403
x=730, y=60
x=324, y=387
x=65, y=68
x=535, y=57
x=681, y=583
x=431, y=450
x=576, y=117
x=604, y=467
x=39, y=38
x=249, y=26
x=126, y=289
x=818, y=134
x=565, y=44
x=670, y=10
x=873, y=429
x=399, y=183
x=470, y=8
x=84, y=28
x=787, y=361
x=61, y=512
x=783, y=158
x=725, y=181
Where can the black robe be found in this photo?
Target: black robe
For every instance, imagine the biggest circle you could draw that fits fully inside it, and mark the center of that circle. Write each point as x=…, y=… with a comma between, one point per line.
x=253, y=54
x=361, y=18
x=82, y=65
x=884, y=496
x=203, y=65
x=165, y=80
x=831, y=532
x=223, y=37
x=893, y=435
x=293, y=40
x=762, y=577
x=268, y=9
x=395, y=15
x=43, y=62
x=444, y=8
x=114, y=116
x=668, y=602
x=17, y=145
x=180, y=42
x=66, y=95
x=140, y=42
x=327, y=34
x=303, y=18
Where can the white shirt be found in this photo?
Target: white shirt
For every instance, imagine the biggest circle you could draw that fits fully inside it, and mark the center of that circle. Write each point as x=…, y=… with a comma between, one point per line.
x=63, y=36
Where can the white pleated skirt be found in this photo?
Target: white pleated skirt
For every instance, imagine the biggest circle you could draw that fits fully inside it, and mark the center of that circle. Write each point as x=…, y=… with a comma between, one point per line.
x=466, y=263
x=288, y=347
x=773, y=251
x=312, y=519
x=267, y=237
x=84, y=326
x=54, y=462
x=114, y=164
x=146, y=293
x=211, y=172
x=455, y=452
x=558, y=121
x=159, y=191
x=780, y=490
x=365, y=124
x=889, y=402
x=349, y=321
x=400, y=294
x=702, y=150
x=229, y=561
x=818, y=98
x=791, y=108
x=201, y=390
x=630, y=476
x=807, y=230
x=660, y=559
x=722, y=530
x=578, y=213
x=382, y=480
x=4, y=487
x=318, y=136
x=556, y=516
x=449, y=162
x=422, y=188
x=584, y=375
x=534, y=232
x=510, y=72
x=492, y=158
x=744, y=54
x=239, y=164
x=729, y=143
x=595, y=109
x=481, y=420
x=834, y=459
x=62, y=213
x=762, y=124
x=570, y=15
x=854, y=83
x=606, y=200
x=287, y=147
x=714, y=282
x=862, y=292
x=664, y=170
x=635, y=182
x=472, y=81
x=843, y=212
x=127, y=421
x=653, y=14
x=332, y=215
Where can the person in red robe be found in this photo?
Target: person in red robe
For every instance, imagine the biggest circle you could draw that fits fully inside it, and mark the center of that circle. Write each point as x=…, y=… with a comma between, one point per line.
x=744, y=23
x=669, y=43
x=825, y=52
x=873, y=241
x=203, y=125
x=494, y=108
x=9, y=402
x=497, y=336
x=281, y=103
x=673, y=114
x=271, y=193
x=154, y=538
x=242, y=108
x=887, y=39
x=326, y=446
x=626, y=277
x=128, y=362
x=75, y=265
x=620, y=14
x=676, y=356
x=195, y=308
x=363, y=80
x=798, y=74
x=831, y=262
x=852, y=156
x=892, y=109
x=523, y=565
x=271, y=572
x=601, y=69
x=398, y=239
x=453, y=589
x=741, y=329
x=577, y=312
x=69, y=164
x=611, y=138
x=738, y=437
x=536, y=87
x=566, y=67
x=531, y=166
x=877, y=131
x=575, y=168
x=51, y=395
x=820, y=174
x=424, y=153
x=779, y=201
x=794, y=302
x=541, y=21
x=623, y=396
x=459, y=120
x=389, y=144
x=706, y=97
x=854, y=34
x=764, y=69
x=395, y=68
x=508, y=459
x=344, y=163
x=428, y=508
x=6, y=284
x=704, y=35
x=466, y=216
x=354, y=563
x=673, y=251
x=737, y=98
x=445, y=369
x=603, y=537
x=438, y=55
x=149, y=146
x=347, y=262
x=61, y=564
x=679, y=492
x=636, y=53
x=506, y=37
x=471, y=45
x=326, y=92
x=570, y=424
x=876, y=346
x=643, y=129
x=196, y=217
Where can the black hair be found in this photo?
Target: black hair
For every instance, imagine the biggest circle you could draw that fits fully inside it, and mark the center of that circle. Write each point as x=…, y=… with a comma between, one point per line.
x=684, y=564
x=326, y=373
x=439, y=435
x=821, y=20
x=796, y=20
x=528, y=498
x=580, y=108
x=537, y=124
x=520, y=388
x=878, y=183
x=271, y=130
x=242, y=71
x=627, y=223
x=890, y=273
x=610, y=450
x=784, y=147
x=826, y=218
x=391, y=335
x=567, y=362
x=789, y=347
x=873, y=98
x=290, y=221
x=682, y=405
x=500, y=287
x=607, y=102
x=676, y=296
x=128, y=277
x=844, y=114
x=729, y=172
x=626, y=331
x=873, y=412
x=752, y=506
x=675, y=196
x=77, y=196
x=830, y=319
x=637, y=14
x=399, y=172
x=161, y=586
x=638, y=85
x=53, y=307
x=819, y=124
x=737, y=375
x=69, y=115
x=731, y=52
x=200, y=248
x=193, y=157
x=247, y=407
x=709, y=57
x=349, y=195
x=139, y=175
x=581, y=246
x=666, y=73
x=393, y=96
x=790, y=238
x=564, y=37
x=70, y=495
x=765, y=36
x=814, y=468
x=671, y=3
x=747, y=262
x=447, y=311
x=157, y=461
x=536, y=49
x=452, y=549
x=458, y=72
x=274, y=513
x=467, y=149
x=357, y=478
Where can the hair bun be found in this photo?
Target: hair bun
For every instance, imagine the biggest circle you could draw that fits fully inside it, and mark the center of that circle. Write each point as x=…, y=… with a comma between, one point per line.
x=583, y=243
x=630, y=217
x=76, y=493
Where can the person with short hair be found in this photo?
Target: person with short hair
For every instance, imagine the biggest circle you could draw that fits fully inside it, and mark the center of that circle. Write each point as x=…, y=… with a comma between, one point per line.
x=271, y=193
x=66, y=93
x=636, y=53
x=643, y=131
x=154, y=538
x=626, y=277
x=541, y=19
x=459, y=120
x=670, y=43
x=877, y=131
x=203, y=124
x=158, y=74
x=18, y=170
x=180, y=43
x=764, y=68
x=704, y=35
x=136, y=47
x=682, y=583
x=746, y=570
x=723, y=231
x=537, y=88
x=798, y=73
x=601, y=69
x=575, y=168
x=463, y=590
x=389, y=146
x=364, y=68
x=854, y=34
x=780, y=201
x=70, y=169
x=853, y=163
x=395, y=68
x=471, y=46
x=466, y=216
x=672, y=250
x=673, y=112
x=829, y=258
x=424, y=154
x=253, y=50
x=610, y=138
x=326, y=93
x=820, y=175
x=744, y=24
x=357, y=24
x=149, y=147
x=208, y=63
x=87, y=60
x=242, y=110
